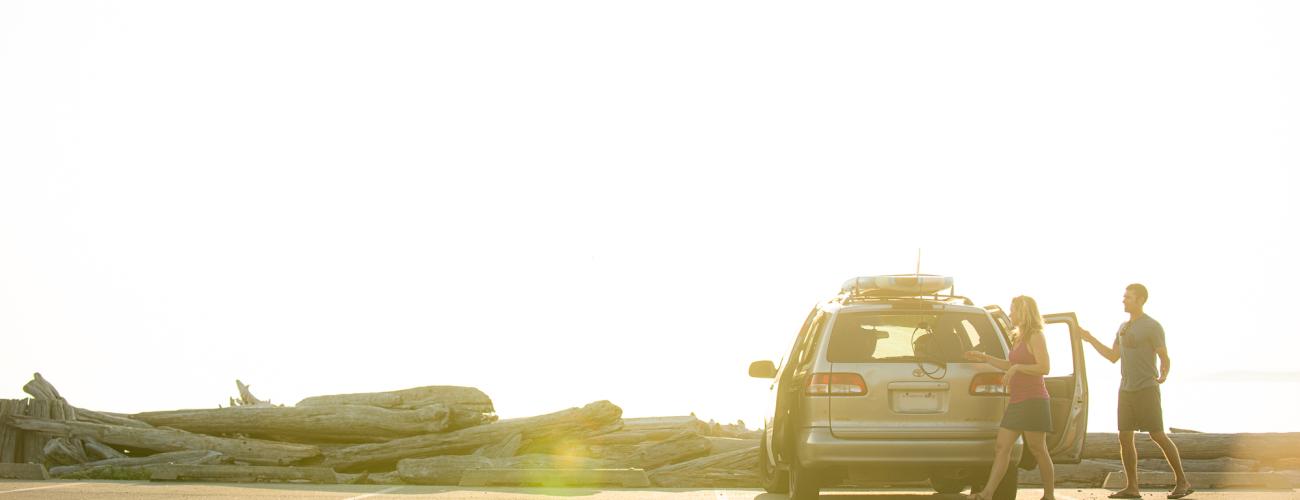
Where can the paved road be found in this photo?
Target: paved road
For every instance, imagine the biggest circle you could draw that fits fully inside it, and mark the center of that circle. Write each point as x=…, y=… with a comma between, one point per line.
x=48, y=490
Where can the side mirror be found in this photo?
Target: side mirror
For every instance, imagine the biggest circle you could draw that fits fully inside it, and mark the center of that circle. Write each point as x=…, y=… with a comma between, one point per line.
x=762, y=369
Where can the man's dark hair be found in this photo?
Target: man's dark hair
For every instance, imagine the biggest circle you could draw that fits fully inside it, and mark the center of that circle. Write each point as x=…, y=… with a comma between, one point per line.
x=1140, y=291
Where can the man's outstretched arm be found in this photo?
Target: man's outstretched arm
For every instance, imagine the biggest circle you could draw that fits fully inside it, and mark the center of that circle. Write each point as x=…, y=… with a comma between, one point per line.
x=1110, y=353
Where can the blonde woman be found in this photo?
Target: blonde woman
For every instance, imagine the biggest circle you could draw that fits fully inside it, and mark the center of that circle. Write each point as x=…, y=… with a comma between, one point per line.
x=1028, y=412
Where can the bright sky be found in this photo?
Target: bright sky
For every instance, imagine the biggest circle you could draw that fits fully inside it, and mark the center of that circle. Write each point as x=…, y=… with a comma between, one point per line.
x=562, y=202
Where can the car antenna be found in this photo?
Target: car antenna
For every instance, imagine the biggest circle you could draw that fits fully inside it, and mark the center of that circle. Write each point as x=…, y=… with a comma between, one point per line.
x=918, y=269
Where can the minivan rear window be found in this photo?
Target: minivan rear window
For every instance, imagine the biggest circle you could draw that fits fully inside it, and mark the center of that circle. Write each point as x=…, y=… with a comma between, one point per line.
x=894, y=336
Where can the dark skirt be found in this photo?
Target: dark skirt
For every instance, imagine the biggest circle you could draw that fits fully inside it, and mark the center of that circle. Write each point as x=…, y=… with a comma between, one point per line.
x=1033, y=415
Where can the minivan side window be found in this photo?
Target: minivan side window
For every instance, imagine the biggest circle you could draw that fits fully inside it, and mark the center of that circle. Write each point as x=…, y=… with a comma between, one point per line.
x=799, y=341
x=804, y=357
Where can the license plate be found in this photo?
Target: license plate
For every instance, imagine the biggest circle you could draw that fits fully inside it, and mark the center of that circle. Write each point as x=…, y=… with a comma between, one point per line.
x=918, y=401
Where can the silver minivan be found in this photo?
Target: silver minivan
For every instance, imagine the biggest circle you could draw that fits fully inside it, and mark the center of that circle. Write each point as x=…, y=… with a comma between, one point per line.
x=875, y=391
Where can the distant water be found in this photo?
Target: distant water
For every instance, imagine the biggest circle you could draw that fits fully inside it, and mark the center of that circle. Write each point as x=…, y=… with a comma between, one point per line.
x=1215, y=406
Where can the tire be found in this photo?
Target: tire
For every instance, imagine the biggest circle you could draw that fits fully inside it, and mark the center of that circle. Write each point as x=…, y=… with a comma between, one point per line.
x=772, y=479
x=947, y=486
x=804, y=483
x=1007, y=488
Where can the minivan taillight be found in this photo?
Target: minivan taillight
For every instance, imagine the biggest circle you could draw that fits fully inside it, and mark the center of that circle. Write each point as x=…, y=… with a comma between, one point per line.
x=836, y=384
x=988, y=384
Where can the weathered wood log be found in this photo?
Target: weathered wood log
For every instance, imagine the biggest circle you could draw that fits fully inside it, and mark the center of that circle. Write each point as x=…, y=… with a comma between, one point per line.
x=449, y=469
x=736, y=430
x=33, y=443
x=464, y=417
x=681, y=447
x=390, y=477
x=9, y=436
x=574, y=423
x=640, y=430
x=504, y=449
x=96, y=417
x=333, y=423
x=1086, y=473
x=734, y=469
x=239, y=473
x=39, y=388
x=69, y=449
x=96, y=450
x=109, y=468
x=1291, y=475
x=63, y=451
x=1222, y=464
x=1287, y=463
x=29, y=472
x=467, y=398
x=1254, y=446
x=253, y=451
x=720, y=445
x=246, y=397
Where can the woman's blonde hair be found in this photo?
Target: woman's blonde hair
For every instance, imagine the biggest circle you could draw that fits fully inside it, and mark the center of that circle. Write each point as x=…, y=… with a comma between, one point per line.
x=1025, y=318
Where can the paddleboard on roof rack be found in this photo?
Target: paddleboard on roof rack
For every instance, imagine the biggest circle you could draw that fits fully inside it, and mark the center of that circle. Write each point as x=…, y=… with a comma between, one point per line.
x=897, y=285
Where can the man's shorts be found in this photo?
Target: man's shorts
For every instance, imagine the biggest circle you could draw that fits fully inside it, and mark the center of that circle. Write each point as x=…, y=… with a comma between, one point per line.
x=1140, y=410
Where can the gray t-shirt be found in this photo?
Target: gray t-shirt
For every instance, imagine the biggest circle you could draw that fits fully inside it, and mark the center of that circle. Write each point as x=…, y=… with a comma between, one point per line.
x=1138, y=342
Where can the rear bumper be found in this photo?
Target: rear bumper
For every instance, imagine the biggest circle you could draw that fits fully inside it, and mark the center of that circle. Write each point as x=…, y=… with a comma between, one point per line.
x=819, y=449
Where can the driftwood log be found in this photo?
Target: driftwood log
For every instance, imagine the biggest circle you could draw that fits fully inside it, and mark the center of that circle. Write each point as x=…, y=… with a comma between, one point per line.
x=449, y=469
x=720, y=445
x=8, y=434
x=64, y=451
x=680, y=447
x=311, y=424
x=571, y=424
x=96, y=450
x=734, y=469
x=95, y=417
x=26, y=472
x=1086, y=473
x=39, y=388
x=640, y=430
x=252, y=451
x=1193, y=446
x=113, y=468
x=1222, y=464
x=239, y=473
x=466, y=398
x=33, y=443
x=505, y=449
x=246, y=397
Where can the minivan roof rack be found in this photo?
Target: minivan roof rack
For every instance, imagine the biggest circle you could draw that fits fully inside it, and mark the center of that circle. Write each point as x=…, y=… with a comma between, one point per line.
x=848, y=298
x=899, y=287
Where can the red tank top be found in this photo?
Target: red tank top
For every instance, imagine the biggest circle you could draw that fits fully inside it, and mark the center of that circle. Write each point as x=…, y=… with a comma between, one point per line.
x=1023, y=385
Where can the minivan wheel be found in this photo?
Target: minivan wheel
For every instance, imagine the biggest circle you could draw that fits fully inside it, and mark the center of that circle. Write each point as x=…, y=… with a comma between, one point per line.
x=1007, y=488
x=804, y=483
x=773, y=479
x=946, y=485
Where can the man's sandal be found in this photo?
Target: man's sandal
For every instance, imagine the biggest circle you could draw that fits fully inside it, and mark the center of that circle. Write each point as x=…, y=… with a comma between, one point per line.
x=1177, y=494
x=1121, y=494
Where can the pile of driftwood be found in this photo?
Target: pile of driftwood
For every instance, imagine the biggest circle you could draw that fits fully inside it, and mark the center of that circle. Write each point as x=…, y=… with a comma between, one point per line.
x=442, y=435
x=1244, y=459
x=446, y=435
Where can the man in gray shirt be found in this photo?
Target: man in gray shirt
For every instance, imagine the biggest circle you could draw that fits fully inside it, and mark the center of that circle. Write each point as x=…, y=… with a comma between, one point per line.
x=1138, y=343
